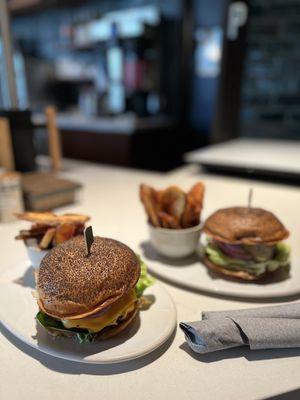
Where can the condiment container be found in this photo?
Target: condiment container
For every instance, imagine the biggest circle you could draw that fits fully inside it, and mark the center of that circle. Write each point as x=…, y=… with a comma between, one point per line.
x=175, y=243
x=11, y=197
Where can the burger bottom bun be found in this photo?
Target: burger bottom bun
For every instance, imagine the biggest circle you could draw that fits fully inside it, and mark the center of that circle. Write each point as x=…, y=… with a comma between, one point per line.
x=114, y=330
x=241, y=275
x=107, y=332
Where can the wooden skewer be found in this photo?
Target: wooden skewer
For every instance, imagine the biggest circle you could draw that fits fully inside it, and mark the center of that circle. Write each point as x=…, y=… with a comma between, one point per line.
x=6, y=149
x=88, y=239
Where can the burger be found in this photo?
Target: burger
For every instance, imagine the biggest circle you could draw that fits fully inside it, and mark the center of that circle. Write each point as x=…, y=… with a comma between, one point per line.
x=89, y=297
x=245, y=243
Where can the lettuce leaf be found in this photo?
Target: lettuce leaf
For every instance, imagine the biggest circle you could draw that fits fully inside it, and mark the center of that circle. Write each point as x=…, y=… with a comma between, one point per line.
x=218, y=257
x=85, y=337
x=281, y=259
x=145, y=280
x=82, y=335
x=283, y=251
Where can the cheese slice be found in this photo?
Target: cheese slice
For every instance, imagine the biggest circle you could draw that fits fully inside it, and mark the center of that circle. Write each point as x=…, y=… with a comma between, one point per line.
x=120, y=308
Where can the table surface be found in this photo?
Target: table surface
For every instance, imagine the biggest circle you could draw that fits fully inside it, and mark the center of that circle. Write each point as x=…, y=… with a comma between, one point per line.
x=110, y=196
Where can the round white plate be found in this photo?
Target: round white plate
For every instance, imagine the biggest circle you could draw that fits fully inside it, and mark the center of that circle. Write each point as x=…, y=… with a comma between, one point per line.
x=191, y=273
x=18, y=309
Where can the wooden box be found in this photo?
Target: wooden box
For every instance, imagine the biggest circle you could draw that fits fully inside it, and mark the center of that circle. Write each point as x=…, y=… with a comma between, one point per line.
x=44, y=191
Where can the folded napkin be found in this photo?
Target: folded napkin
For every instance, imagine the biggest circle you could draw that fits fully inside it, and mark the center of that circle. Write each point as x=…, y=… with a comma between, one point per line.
x=258, y=328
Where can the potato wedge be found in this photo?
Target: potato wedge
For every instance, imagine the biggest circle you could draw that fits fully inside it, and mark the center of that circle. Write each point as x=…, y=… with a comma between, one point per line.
x=173, y=201
x=33, y=232
x=168, y=221
x=149, y=198
x=194, y=204
x=47, y=239
x=51, y=219
x=64, y=232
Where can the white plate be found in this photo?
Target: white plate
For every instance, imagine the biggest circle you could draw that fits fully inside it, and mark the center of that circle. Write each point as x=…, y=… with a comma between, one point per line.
x=192, y=273
x=18, y=309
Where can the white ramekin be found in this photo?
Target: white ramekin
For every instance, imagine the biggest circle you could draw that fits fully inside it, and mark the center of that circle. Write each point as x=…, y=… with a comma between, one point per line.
x=35, y=255
x=175, y=243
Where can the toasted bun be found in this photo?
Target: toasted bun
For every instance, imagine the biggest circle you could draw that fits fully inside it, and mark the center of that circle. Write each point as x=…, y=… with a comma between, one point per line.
x=114, y=330
x=245, y=225
x=242, y=275
x=71, y=285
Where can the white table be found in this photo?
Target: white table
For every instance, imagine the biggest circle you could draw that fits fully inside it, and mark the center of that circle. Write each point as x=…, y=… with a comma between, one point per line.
x=110, y=196
x=280, y=157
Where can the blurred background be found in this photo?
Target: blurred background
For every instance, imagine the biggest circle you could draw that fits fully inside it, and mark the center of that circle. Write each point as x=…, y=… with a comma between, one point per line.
x=140, y=83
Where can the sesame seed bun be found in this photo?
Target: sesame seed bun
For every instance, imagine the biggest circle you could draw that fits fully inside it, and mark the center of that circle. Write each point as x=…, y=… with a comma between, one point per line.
x=71, y=285
x=246, y=225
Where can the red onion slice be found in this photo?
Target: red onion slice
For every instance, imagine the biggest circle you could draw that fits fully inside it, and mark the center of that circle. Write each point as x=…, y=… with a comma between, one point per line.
x=99, y=313
x=234, y=251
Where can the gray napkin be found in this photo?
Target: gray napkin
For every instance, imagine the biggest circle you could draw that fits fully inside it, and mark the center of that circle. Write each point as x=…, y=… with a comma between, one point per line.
x=258, y=328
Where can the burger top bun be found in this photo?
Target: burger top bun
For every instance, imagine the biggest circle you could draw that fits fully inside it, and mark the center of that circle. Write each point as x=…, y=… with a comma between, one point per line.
x=237, y=225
